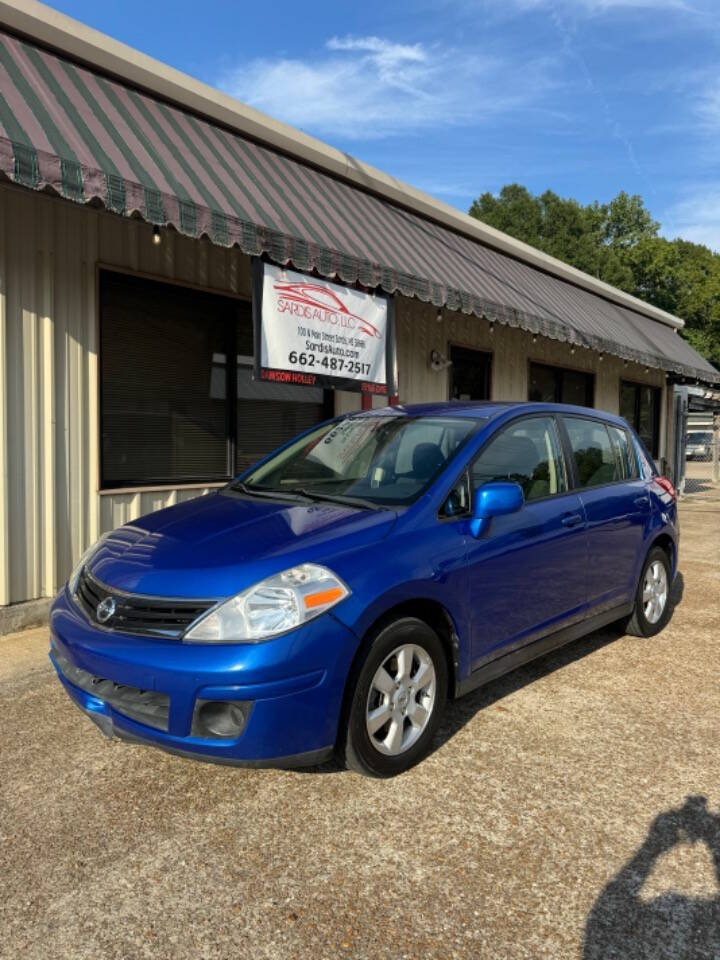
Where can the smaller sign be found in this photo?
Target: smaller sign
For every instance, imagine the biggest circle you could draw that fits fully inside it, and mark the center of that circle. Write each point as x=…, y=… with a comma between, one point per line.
x=315, y=333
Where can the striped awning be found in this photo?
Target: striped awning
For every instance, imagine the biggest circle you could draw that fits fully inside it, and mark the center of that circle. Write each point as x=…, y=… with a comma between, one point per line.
x=91, y=138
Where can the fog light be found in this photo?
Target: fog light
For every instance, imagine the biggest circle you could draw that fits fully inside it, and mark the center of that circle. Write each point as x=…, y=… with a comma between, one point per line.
x=222, y=719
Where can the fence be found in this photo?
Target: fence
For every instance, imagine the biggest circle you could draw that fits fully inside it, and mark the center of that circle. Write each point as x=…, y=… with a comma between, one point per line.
x=702, y=467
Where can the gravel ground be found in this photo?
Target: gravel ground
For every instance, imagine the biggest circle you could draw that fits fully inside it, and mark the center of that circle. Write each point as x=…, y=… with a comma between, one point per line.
x=571, y=810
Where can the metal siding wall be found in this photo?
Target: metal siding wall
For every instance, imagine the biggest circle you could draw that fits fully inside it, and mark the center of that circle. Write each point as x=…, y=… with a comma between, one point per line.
x=119, y=508
x=419, y=332
x=50, y=509
x=4, y=408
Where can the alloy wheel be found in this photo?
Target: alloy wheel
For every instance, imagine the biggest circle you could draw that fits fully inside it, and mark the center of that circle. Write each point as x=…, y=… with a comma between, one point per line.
x=401, y=699
x=655, y=591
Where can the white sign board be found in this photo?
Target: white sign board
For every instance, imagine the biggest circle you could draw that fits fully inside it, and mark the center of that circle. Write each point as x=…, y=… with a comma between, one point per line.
x=319, y=333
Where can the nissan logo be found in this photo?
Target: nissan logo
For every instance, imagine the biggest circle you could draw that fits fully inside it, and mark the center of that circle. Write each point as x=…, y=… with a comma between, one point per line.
x=105, y=609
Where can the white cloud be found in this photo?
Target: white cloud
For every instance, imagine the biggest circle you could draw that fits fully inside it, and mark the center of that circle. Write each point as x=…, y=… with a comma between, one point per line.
x=707, y=107
x=696, y=217
x=444, y=189
x=369, y=87
x=387, y=54
x=602, y=6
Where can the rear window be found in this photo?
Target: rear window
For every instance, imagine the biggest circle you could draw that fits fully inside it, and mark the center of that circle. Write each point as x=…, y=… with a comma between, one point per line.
x=648, y=470
x=596, y=462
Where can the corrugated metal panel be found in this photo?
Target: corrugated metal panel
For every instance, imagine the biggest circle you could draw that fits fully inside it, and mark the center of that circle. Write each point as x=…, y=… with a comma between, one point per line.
x=119, y=508
x=50, y=510
x=4, y=413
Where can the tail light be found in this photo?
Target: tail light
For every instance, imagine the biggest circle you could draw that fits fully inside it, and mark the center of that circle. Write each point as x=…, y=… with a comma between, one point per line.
x=666, y=485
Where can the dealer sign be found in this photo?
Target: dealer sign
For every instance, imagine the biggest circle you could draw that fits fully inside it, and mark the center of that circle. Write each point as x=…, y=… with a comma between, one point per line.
x=313, y=332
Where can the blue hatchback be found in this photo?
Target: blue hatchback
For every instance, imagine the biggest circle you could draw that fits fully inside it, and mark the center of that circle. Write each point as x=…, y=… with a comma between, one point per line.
x=336, y=594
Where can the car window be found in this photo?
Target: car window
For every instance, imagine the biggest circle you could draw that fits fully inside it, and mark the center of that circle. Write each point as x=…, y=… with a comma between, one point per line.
x=647, y=464
x=595, y=461
x=527, y=452
x=458, y=501
x=623, y=452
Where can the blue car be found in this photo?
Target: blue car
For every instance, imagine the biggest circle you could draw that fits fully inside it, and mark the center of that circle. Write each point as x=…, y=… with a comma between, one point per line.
x=334, y=596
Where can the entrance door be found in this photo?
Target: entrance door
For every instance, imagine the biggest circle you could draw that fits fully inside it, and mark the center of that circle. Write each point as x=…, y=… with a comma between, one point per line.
x=469, y=374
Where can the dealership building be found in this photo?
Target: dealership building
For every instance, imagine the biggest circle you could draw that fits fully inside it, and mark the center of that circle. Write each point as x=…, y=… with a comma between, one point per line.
x=135, y=206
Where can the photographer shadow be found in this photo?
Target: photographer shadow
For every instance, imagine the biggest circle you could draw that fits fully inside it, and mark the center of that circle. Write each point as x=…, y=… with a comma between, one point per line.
x=674, y=926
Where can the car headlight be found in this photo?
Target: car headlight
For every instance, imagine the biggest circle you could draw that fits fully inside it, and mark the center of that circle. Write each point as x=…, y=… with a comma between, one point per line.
x=280, y=603
x=77, y=570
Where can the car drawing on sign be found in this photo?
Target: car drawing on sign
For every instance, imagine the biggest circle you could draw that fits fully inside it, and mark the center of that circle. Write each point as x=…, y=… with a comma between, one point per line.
x=334, y=596
x=315, y=296
x=699, y=445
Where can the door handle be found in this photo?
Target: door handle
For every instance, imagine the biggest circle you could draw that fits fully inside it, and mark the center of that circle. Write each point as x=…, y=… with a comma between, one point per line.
x=571, y=519
x=641, y=501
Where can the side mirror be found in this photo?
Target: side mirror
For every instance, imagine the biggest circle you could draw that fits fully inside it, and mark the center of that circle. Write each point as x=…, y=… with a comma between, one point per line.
x=494, y=500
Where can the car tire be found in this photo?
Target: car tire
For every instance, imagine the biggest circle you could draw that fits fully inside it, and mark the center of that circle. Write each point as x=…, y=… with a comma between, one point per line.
x=397, y=700
x=651, y=611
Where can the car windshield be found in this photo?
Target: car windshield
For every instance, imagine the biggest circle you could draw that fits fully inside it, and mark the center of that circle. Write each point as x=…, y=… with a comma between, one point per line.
x=700, y=437
x=385, y=459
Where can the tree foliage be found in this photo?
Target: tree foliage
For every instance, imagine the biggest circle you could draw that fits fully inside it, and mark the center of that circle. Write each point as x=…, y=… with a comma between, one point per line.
x=618, y=242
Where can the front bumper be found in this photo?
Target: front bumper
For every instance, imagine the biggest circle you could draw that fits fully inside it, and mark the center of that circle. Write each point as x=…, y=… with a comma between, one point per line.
x=293, y=685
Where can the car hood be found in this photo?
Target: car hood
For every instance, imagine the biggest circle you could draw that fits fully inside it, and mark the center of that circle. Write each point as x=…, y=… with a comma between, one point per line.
x=215, y=546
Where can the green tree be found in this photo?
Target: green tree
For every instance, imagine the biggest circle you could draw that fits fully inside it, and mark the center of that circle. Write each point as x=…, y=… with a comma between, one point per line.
x=682, y=278
x=592, y=238
x=515, y=211
x=624, y=221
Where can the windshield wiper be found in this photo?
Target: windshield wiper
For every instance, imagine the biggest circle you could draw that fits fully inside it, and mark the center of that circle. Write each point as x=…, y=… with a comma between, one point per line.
x=338, y=498
x=270, y=494
x=300, y=493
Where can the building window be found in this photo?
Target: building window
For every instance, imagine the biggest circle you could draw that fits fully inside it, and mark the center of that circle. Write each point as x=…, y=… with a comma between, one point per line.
x=557, y=385
x=469, y=374
x=640, y=406
x=270, y=414
x=177, y=400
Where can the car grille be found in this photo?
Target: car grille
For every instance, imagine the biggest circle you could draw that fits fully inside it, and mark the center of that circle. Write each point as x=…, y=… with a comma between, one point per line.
x=137, y=613
x=145, y=706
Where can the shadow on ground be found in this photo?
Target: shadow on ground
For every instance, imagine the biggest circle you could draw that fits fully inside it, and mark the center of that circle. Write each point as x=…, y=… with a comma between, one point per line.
x=622, y=926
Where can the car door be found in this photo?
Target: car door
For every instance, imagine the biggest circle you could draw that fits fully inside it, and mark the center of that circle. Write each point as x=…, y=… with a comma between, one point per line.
x=527, y=575
x=617, y=507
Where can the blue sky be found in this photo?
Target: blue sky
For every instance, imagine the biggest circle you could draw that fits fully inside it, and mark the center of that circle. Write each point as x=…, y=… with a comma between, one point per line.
x=584, y=97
